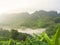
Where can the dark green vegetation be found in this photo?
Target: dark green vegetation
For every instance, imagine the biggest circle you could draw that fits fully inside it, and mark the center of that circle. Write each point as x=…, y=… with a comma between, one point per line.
x=51, y=30
x=13, y=34
x=41, y=39
x=38, y=19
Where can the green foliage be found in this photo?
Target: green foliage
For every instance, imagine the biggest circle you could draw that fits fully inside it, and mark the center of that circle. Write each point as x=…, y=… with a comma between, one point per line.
x=51, y=30
x=14, y=34
x=4, y=33
x=57, y=20
x=42, y=39
x=11, y=42
x=54, y=40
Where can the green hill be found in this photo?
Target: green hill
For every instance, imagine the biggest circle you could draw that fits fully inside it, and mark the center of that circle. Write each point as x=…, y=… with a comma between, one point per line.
x=37, y=19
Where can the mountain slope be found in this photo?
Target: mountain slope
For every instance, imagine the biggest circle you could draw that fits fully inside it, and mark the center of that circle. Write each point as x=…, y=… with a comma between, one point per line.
x=36, y=20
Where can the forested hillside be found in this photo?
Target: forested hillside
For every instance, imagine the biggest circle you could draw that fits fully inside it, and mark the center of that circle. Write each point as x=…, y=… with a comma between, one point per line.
x=38, y=19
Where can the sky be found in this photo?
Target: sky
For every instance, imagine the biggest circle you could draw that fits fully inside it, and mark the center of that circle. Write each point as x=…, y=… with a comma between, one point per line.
x=11, y=6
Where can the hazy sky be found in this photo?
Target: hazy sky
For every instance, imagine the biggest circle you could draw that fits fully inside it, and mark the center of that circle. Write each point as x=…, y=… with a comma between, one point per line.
x=28, y=5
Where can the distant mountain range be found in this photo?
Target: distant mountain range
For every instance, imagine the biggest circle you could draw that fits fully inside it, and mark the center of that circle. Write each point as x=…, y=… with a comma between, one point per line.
x=36, y=19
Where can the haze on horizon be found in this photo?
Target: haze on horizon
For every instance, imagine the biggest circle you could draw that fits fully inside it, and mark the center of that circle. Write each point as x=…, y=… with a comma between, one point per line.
x=28, y=5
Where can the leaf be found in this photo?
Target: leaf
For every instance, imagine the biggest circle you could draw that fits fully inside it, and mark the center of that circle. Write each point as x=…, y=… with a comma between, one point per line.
x=57, y=37
x=47, y=38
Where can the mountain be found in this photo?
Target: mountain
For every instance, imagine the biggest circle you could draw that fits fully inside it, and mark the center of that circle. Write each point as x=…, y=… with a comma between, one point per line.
x=36, y=20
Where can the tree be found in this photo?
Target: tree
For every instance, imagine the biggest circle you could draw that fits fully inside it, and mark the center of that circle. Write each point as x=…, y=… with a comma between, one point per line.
x=57, y=20
x=14, y=34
